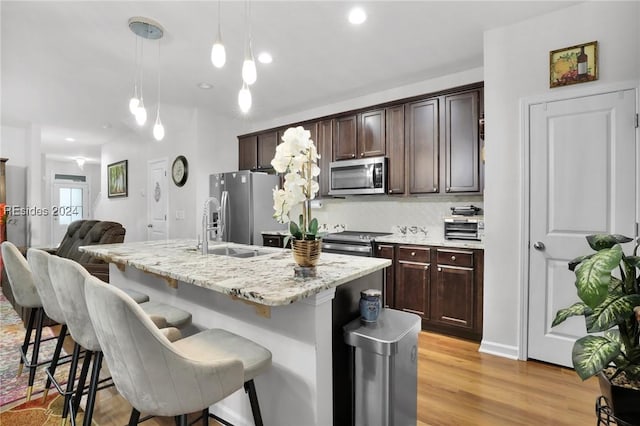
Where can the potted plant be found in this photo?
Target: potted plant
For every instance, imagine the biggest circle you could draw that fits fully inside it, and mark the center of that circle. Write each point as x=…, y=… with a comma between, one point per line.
x=608, y=285
x=297, y=158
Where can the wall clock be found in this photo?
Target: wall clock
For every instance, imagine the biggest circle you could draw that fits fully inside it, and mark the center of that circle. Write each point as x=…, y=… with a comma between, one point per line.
x=180, y=170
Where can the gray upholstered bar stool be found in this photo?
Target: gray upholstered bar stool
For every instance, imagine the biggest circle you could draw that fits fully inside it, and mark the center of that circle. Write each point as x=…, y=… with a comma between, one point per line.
x=161, y=378
x=39, y=263
x=68, y=278
x=26, y=294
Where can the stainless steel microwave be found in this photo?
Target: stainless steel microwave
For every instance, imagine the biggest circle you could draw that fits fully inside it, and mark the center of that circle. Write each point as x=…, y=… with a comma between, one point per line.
x=359, y=177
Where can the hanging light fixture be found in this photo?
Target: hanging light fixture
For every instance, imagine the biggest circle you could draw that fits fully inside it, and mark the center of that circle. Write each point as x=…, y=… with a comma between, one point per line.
x=244, y=98
x=249, y=73
x=218, y=54
x=158, y=128
x=135, y=101
x=146, y=29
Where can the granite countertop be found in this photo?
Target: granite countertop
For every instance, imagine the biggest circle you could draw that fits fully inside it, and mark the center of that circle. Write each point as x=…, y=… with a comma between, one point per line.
x=266, y=279
x=283, y=232
x=428, y=240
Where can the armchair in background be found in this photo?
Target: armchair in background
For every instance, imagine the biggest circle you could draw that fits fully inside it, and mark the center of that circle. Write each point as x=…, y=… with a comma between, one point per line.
x=79, y=233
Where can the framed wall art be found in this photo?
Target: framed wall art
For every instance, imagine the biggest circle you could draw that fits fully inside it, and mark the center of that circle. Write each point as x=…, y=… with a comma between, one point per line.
x=118, y=179
x=572, y=65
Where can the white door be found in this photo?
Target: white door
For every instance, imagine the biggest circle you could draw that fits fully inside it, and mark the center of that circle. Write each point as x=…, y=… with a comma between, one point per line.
x=582, y=181
x=157, y=200
x=70, y=202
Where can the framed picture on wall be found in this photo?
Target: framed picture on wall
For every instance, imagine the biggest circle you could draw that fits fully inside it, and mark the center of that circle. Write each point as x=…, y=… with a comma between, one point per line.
x=118, y=179
x=572, y=65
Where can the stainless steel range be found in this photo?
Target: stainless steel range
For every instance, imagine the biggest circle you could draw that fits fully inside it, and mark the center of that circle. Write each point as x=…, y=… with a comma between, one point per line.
x=355, y=243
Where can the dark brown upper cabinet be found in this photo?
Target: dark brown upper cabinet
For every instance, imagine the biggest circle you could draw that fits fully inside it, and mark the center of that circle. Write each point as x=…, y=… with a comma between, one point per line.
x=324, y=144
x=394, y=122
x=344, y=137
x=247, y=152
x=371, y=137
x=421, y=139
x=360, y=135
x=267, y=143
x=461, y=143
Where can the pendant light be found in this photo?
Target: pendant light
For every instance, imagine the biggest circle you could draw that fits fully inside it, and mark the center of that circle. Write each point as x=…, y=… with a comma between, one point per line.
x=158, y=128
x=135, y=100
x=218, y=54
x=249, y=73
x=145, y=28
x=244, y=98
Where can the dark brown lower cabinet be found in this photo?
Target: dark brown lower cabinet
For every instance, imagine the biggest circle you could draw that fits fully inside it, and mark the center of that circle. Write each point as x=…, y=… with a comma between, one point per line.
x=442, y=285
x=387, y=251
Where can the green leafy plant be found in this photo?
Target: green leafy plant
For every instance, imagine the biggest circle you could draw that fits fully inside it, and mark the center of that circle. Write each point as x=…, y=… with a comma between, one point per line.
x=607, y=284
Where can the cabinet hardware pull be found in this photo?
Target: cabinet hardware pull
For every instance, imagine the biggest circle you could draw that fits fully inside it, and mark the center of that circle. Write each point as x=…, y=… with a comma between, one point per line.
x=439, y=269
x=453, y=258
x=435, y=189
x=413, y=253
x=391, y=191
x=362, y=154
x=353, y=156
x=448, y=189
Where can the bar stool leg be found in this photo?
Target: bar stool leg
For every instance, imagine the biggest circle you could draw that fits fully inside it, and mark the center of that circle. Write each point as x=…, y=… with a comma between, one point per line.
x=93, y=388
x=27, y=339
x=77, y=396
x=54, y=360
x=36, y=349
x=134, y=417
x=205, y=417
x=71, y=379
x=250, y=388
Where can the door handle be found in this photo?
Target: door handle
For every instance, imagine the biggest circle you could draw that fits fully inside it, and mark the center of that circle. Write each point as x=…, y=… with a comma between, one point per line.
x=150, y=226
x=539, y=245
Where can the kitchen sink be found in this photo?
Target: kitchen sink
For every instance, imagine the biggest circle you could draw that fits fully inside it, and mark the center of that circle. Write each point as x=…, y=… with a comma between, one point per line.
x=236, y=252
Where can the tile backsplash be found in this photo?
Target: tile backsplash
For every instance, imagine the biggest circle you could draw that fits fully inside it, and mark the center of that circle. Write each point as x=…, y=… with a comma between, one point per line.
x=385, y=214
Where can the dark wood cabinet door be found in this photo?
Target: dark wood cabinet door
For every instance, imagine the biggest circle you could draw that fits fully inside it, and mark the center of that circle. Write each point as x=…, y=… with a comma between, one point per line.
x=394, y=123
x=324, y=144
x=247, y=153
x=453, y=299
x=413, y=286
x=267, y=143
x=462, y=144
x=344, y=137
x=421, y=137
x=371, y=134
x=386, y=251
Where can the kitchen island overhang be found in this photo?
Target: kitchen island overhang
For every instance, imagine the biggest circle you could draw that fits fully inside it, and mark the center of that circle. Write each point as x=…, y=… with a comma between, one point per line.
x=308, y=382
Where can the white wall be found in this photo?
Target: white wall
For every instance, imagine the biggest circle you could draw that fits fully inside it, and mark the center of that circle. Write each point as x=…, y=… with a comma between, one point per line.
x=210, y=145
x=516, y=65
x=13, y=145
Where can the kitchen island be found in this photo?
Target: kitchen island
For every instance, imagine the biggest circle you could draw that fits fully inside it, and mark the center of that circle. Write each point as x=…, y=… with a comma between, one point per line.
x=252, y=292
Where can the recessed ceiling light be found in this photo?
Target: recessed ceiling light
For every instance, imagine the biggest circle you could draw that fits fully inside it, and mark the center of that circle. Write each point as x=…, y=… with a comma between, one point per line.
x=69, y=139
x=265, y=58
x=107, y=126
x=204, y=85
x=357, y=16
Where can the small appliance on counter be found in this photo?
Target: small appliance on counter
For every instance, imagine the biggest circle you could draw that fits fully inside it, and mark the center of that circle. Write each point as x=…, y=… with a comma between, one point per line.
x=356, y=243
x=464, y=224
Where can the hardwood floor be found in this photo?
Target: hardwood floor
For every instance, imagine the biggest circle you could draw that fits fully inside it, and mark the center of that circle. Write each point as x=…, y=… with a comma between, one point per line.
x=457, y=385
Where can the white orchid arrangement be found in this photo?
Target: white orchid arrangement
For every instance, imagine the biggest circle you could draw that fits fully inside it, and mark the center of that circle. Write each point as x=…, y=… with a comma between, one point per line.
x=297, y=158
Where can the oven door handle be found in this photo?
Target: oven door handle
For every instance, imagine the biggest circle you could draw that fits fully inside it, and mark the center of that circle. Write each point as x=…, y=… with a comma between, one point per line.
x=342, y=247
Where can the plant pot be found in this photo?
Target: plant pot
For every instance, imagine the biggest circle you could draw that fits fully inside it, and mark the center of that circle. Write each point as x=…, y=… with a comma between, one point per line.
x=306, y=253
x=622, y=400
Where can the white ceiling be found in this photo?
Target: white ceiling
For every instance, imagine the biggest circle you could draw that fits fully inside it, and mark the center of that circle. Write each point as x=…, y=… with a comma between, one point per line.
x=68, y=67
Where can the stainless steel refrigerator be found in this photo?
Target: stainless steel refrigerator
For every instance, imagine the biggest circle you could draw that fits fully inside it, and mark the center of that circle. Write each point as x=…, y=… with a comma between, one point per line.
x=249, y=204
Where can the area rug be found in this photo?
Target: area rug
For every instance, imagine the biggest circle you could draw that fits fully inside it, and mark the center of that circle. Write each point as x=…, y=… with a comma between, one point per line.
x=39, y=413
x=12, y=333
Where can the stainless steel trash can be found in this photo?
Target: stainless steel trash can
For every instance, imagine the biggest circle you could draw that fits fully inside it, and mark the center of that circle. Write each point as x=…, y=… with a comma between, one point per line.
x=385, y=368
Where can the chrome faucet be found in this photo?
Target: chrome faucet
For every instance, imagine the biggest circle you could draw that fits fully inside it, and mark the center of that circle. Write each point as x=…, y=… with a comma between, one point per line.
x=208, y=224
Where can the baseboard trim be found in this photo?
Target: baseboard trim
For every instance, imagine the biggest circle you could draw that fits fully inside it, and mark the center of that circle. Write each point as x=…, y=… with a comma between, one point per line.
x=498, y=349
